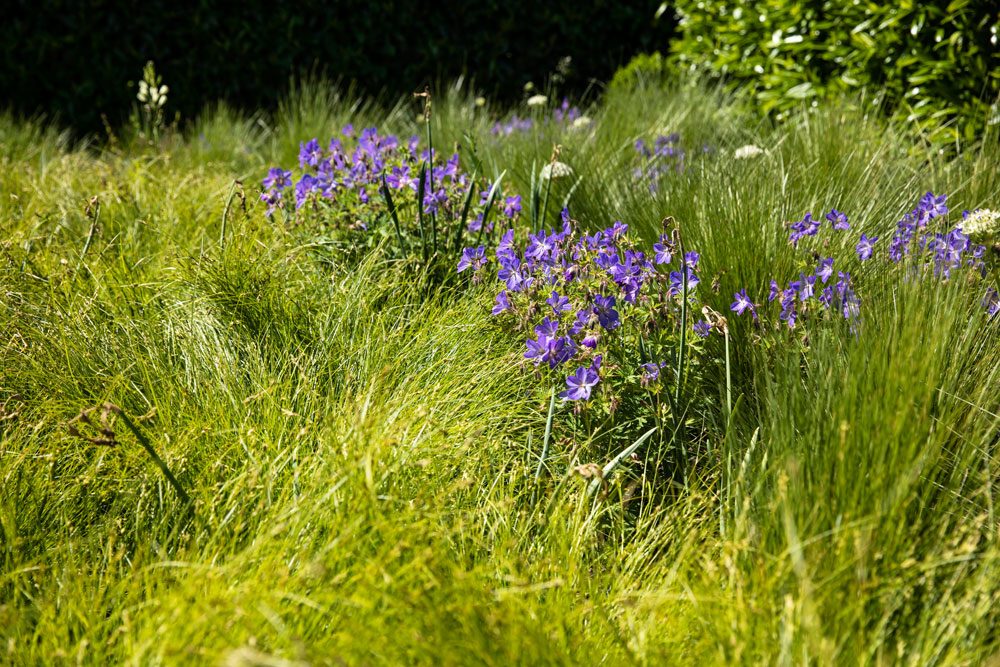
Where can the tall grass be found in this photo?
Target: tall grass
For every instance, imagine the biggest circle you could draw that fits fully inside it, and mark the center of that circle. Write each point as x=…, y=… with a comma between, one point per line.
x=362, y=450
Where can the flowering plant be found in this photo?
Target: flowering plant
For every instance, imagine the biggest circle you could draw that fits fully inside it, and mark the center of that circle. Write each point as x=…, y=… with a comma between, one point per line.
x=609, y=324
x=564, y=115
x=656, y=161
x=923, y=252
x=366, y=189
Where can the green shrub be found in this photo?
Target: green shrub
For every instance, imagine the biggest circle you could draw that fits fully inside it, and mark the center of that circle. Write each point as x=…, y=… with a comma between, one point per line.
x=74, y=59
x=644, y=69
x=937, y=63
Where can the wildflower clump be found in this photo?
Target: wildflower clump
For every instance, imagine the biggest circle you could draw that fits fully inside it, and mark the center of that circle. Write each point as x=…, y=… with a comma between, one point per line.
x=564, y=115
x=660, y=159
x=601, y=318
x=922, y=243
x=363, y=189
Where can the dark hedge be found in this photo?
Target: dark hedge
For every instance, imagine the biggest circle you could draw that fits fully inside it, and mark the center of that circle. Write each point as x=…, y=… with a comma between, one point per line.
x=73, y=59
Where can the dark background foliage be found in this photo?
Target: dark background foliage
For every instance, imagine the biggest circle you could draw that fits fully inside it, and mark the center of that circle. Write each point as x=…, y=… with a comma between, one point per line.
x=935, y=63
x=73, y=59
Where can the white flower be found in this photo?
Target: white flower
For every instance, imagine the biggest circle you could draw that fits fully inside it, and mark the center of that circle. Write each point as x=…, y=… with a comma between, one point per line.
x=581, y=122
x=480, y=101
x=537, y=100
x=748, y=151
x=981, y=222
x=556, y=170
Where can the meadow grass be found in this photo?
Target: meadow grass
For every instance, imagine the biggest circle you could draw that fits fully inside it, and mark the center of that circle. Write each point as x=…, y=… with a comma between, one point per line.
x=360, y=445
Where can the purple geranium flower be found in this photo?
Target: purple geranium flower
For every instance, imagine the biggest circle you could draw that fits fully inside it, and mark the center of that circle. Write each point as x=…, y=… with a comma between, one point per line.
x=865, y=247
x=512, y=206
x=560, y=304
x=309, y=153
x=547, y=327
x=607, y=316
x=502, y=303
x=775, y=291
x=474, y=258
x=662, y=251
x=838, y=220
x=825, y=269
x=677, y=280
x=742, y=304
x=581, y=383
x=277, y=179
x=650, y=373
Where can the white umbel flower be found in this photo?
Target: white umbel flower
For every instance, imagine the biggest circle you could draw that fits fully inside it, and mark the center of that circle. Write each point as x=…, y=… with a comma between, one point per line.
x=748, y=151
x=581, y=123
x=537, y=100
x=556, y=170
x=982, y=222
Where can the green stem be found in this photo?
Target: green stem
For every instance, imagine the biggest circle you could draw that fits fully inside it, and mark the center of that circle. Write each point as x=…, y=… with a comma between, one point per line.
x=392, y=213
x=430, y=175
x=225, y=215
x=144, y=441
x=465, y=210
x=729, y=380
x=548, y=435
x=545, y=201
x=420, y=209
x=90, y=237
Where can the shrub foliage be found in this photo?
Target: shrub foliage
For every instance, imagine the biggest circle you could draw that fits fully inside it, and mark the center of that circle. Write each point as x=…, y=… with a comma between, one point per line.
x=938, y=62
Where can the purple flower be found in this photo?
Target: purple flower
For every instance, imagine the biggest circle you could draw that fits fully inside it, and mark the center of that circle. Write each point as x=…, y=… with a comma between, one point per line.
x=560, y=304
x=305, y=187
x=474, y=258
x=662, y=251
x=537, y=349
x=991, y=302
x=650, y=373
x=677, y=280
x=808, y=284
x=277, y=179
x=505, y=248
x=775, y=291
x=309, y=153
x=826, y=296
x=838, y=220
x=691, y=260
x=547, y=327
x=843, y=284
x=702, y=328
x=607, y=316
x=502, y=303
x=433, y=201
x=825, y=269
x=580, y=384
x=616, y=230
x=742, y=304
x=933, y=206
x=583, y=319
x=512, y=206
x=560, y=351
x=804, y=227
x=865, y=247
x=272, y=199
x=540, y=246
x=400, y=178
